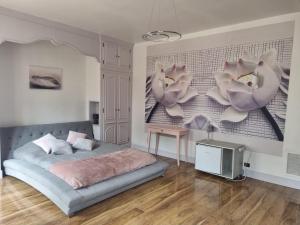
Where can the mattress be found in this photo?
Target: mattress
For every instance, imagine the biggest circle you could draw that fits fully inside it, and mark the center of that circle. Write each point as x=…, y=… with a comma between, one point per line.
x=30, y=164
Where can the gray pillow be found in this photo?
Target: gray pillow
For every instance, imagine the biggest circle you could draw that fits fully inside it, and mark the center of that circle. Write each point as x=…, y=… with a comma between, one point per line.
x=84, y=144
x=60, y=147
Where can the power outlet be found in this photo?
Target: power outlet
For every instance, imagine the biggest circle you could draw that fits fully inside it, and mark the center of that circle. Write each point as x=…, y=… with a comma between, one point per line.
x=247, y=165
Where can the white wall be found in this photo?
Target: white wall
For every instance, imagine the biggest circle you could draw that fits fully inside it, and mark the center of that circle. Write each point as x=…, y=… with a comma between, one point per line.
x=92, y=79
x=21, y=105
x=6, y=83
x=263, y=166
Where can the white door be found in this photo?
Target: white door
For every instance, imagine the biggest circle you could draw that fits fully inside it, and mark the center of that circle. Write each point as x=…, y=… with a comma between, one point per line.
x=123, y=98
x=116, y=107
x=109, y=133
x=110, y=93
x=123, y=115
x=124, y=56
x=110, y=56
x=123, y=132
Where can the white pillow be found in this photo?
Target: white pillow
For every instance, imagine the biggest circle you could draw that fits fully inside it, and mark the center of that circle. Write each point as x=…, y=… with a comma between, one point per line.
x=60, y=147
x=44, y=142
x=84, y=144
x=72, y=137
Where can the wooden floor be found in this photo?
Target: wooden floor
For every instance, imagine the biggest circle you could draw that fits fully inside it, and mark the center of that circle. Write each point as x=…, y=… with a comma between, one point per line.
x=183, y=196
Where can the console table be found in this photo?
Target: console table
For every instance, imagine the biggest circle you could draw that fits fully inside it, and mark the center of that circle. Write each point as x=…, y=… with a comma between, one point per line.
x=177, y=132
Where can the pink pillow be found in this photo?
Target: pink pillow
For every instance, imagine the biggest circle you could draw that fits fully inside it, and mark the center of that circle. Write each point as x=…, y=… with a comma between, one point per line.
x=73, y=136
x=45, y=142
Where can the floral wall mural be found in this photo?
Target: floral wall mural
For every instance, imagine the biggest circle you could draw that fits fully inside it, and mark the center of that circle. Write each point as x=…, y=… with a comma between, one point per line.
x=236, y=89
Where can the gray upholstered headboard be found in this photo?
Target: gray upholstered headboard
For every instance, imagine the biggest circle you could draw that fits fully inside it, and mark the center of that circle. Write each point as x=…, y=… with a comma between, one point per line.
x=13, y=137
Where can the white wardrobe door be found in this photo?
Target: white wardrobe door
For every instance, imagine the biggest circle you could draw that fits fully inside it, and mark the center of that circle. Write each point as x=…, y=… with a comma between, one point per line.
x=110, y=93
x=124, y=56
x=123, y=130
x=109, y=133
x=123, y=98
x=110, y=53
x=123, y=133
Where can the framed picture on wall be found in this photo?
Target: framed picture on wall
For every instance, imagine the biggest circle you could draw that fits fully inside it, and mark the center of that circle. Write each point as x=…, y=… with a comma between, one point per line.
x=41, y=77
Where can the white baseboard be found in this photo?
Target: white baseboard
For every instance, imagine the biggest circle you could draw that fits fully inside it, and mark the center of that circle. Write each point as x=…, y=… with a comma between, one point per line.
x=273, y=179
x=287, y=182
x=1, y=174
x=165, y=154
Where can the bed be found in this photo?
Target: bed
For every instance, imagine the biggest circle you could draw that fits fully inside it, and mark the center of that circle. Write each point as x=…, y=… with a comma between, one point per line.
x=20, y=158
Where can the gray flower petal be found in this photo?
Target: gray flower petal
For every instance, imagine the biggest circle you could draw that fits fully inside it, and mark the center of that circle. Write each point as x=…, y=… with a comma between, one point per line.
x=269, y=57
x=174, y=72
x=157, y=84
x=214, y=93
x=191, y=93
x=232, y=115
x=231, y=68
x=223, y=82
x=250, y=58
x=201, y=121
x=175, y=111
x=182, y=84
x=241, y=97
x=269, y=87
x=244, y=67
x=170, y=98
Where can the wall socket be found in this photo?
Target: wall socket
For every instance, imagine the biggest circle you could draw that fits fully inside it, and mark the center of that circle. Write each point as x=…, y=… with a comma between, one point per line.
x=246, y=164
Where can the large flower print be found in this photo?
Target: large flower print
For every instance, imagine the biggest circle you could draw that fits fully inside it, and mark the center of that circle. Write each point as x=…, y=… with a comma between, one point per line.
x=246, y=85
x=170, y=87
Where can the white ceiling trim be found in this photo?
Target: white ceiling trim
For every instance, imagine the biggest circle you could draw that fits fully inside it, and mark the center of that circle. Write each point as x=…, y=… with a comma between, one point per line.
x=21, y=28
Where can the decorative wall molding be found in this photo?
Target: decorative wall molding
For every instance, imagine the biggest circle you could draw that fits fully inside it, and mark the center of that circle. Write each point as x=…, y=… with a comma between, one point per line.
x=23, y=29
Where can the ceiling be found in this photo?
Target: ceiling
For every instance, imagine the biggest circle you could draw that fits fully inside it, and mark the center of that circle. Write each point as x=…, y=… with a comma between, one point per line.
x=129, y=19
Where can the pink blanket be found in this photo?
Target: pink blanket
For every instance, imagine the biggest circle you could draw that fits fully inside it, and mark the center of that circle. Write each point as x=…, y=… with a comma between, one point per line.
x=82, y=173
